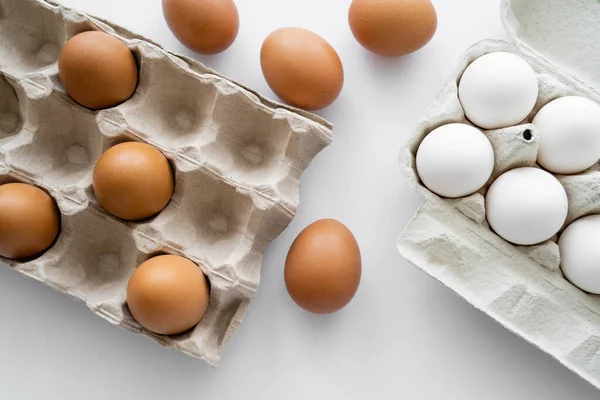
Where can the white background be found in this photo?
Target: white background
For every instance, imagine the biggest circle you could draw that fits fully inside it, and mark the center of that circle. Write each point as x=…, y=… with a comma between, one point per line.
x=403, y=336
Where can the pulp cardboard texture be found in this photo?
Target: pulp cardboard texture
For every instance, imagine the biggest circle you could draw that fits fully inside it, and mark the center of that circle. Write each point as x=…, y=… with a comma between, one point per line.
x=237, y=159
x=520, y=287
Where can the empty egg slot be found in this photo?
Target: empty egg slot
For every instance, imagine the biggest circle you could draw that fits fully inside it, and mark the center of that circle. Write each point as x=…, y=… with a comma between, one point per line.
x=29, y=47
x=207, y=217
x=168, y=107
x=11, y=119
x=249, y=146
x=65, y=145
x=99, y=256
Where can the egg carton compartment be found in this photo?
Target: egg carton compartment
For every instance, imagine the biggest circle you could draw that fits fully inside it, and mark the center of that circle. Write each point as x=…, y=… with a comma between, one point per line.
x=236, y=157
x=11, y=118
x=31, y=36
x=97, y=256
x=206, y=340
x=521, y=287
x=62, y=143
x=252, y=146
x=214, y=223
x=169, y=107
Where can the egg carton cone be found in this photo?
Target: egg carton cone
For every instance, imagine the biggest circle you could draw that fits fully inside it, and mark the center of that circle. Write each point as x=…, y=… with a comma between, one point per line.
x=521, y=287
x=237, y=159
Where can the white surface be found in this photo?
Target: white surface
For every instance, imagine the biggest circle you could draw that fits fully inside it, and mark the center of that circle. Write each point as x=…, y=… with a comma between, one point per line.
x=403, y=336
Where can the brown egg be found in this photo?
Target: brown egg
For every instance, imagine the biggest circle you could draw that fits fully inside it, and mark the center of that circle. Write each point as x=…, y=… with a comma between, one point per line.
x=29, y=220
x=204, y=26
x=323, y=267
x=167, y=294
x=392, y=27
x=133, y=180
x=97, y=70
x=301, y=68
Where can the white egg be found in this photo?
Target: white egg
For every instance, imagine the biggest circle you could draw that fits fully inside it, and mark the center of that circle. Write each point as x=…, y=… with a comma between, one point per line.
x=455, y=160
x=569, y=129
x=580, y=253
x=498, y=90
x=526, y=206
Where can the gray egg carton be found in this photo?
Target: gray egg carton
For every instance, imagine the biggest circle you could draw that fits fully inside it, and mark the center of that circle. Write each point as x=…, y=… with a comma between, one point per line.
x=521, y=287
x=237, y=159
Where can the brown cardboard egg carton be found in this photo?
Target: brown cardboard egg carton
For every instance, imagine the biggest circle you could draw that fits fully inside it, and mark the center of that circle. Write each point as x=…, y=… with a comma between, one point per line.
x=521, y=287
x=237, y=159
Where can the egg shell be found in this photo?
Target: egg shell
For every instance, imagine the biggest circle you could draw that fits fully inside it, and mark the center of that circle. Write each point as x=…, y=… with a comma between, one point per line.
x=392, y=27
x=133, y=180
x=526, y=206
x=204, y=26
x=323, y=267
x=498, y=90
x=97, y=70
x=455, y=160
x=302, y=68
x=580, y=253
x=29, y=220
x=167, y=294
x=569, y=128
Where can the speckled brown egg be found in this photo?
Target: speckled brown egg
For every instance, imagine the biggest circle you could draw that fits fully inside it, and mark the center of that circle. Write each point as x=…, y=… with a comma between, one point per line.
x=392, y=27
x=133, y=180
x=301, y=68
x=204, y=26
x=323, y=267
x=97, y=70
x=167, y=294
x=29, y=220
